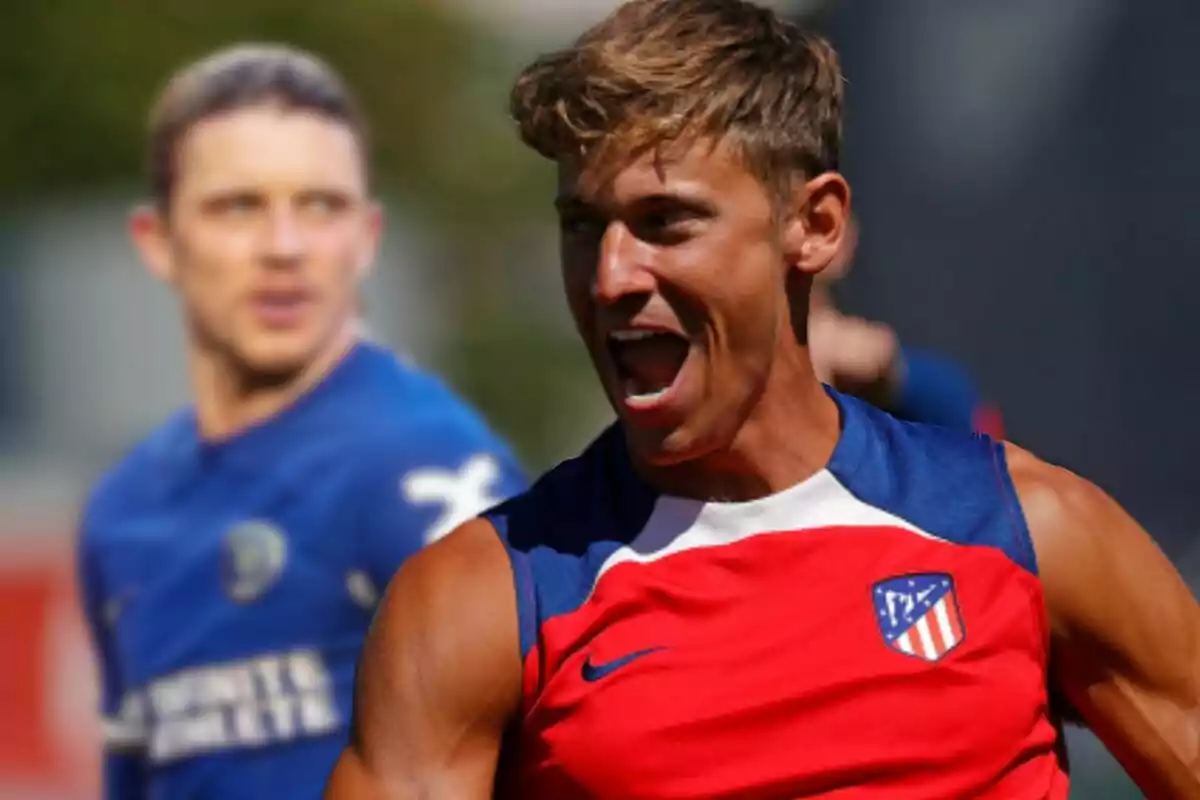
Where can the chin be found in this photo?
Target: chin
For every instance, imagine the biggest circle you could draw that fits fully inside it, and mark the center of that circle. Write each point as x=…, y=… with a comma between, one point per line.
x=277, y=358
x=663, y=447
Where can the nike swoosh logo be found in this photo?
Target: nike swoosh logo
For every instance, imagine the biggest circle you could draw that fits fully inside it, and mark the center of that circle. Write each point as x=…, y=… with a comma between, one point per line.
x=594, y=672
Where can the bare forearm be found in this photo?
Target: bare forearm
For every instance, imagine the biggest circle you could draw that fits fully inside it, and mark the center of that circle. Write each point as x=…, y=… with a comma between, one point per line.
x=1148, y=737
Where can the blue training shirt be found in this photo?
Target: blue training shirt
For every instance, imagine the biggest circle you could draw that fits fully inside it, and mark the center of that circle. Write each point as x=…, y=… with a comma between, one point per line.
x=229, y=586
x=937, y=391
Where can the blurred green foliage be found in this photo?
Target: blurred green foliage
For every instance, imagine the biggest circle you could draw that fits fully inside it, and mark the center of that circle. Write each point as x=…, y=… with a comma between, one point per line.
x=78, y=76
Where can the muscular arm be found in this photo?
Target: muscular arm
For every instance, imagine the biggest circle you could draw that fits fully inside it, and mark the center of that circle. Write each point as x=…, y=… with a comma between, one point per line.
x=1125, y=630
x=439, y=678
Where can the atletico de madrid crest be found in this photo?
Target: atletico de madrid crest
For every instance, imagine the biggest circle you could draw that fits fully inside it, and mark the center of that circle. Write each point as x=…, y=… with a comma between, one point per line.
x=918, y=615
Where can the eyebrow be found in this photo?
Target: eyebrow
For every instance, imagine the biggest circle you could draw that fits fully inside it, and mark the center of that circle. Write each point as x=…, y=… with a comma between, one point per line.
x=573, y=202
x=677, y=198
x=215, y=198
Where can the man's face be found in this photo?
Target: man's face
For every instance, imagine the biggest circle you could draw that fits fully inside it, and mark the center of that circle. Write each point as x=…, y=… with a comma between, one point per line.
x=268, y=235
x=675, y=275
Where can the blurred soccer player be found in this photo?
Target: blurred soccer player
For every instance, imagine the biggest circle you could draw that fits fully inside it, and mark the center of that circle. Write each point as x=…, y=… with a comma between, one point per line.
x=752, y=587
x=865, y=358
x=231, y=562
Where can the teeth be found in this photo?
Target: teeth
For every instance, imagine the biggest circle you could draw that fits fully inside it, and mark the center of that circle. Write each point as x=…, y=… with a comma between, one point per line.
x=632, y=394
x=632, y=335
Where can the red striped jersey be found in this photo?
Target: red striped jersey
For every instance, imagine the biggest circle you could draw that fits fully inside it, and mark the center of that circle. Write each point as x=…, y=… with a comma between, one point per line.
x=876, y=631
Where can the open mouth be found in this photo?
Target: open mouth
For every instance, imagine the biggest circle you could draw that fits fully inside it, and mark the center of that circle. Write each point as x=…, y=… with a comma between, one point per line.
x=648, y=363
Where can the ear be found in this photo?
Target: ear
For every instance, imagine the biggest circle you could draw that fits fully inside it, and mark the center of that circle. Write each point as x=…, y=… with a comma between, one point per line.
x=372, y=233
x=148, y=229
x=814, y=232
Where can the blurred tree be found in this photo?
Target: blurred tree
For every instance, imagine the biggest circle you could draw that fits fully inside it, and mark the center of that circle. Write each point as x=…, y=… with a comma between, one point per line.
x=77, y=76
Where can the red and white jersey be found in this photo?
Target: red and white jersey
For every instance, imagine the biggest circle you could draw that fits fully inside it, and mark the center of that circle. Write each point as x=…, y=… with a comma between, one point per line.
x=877, y=631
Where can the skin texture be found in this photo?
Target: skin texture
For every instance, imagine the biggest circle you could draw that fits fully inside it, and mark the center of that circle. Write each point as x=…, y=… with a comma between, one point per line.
x=268, y=203
x=445, y=651
x=855, y=355
x=1125, y=629
x=689, y=244
x=440, y=678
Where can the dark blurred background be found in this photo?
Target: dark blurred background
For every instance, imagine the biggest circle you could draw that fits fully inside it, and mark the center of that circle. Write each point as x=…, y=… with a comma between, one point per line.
x=1023, y=171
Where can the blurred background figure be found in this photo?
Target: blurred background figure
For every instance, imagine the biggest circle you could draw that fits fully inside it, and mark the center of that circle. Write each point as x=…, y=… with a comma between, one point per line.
x=232, y=560
x=1023, y=172
x=865, y=358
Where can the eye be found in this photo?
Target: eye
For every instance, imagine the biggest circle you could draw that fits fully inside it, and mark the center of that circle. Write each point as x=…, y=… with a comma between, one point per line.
x=235, y=204
x=666, y=226
x=580, y=224
x=324, y=202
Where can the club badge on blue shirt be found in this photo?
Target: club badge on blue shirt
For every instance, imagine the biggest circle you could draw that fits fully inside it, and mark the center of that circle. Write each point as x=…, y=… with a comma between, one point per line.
x=252, y=557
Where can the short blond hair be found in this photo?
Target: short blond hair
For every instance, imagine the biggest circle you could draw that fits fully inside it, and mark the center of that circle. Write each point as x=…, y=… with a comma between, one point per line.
x=664, y=72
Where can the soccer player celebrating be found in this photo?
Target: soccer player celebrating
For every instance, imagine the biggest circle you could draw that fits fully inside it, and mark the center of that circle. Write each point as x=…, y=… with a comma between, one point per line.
x=231, y=562
x=751, y=586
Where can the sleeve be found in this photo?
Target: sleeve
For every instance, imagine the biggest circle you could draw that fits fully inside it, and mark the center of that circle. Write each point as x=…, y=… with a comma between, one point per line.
x=121, y=714
x=938, y=391
x=422, y=487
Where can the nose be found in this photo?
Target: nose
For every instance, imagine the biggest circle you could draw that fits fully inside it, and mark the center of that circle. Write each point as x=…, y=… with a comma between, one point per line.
x=284, y=244
x=621, y=266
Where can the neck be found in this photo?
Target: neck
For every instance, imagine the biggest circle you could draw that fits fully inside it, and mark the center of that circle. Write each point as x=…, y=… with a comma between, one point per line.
x=230, y=398
x=788, y=436
x=820, y=298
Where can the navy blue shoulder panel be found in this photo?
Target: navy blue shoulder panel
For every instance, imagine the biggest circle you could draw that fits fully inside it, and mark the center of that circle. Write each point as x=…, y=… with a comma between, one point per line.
x=949, y=483
x=560, y=532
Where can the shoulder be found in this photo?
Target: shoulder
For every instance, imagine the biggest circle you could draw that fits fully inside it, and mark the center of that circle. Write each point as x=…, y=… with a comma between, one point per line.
x=443, y=644
x=877, y=439
x=1051, y=495
x=458, y=590
x=1091, y=551
x=1079, y=532
x=387, y=380
x=1066, y=513
x=400, y=408
x=1124, y=624
x=950, y=483
x=143, y=469
x=382, y=412
x=420, y=457
x=559, y=534
x=436, y=448
x=456, y=579
x=473, y=548
x=592, y=497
